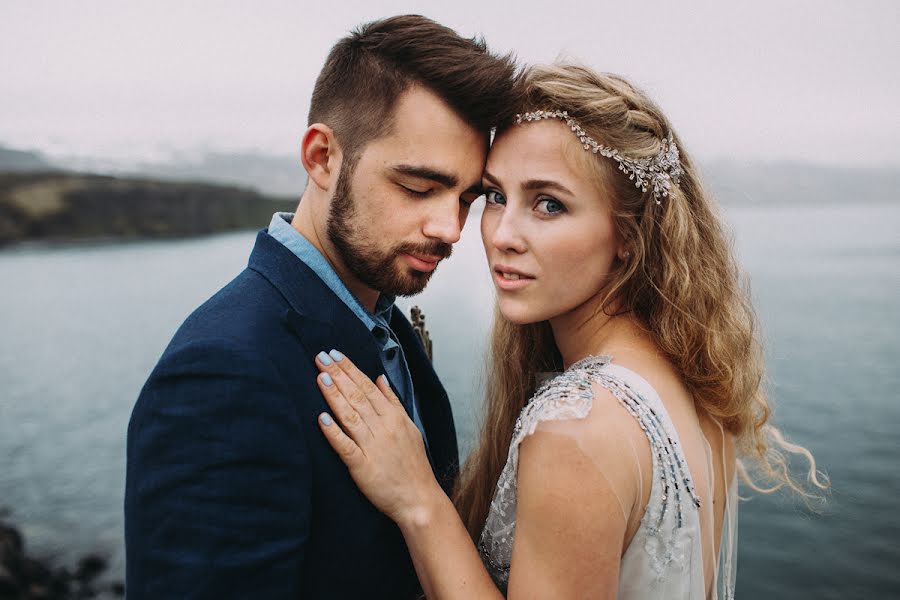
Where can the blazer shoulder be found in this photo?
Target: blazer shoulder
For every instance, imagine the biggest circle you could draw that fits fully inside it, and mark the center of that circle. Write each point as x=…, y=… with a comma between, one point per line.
x=245, y=317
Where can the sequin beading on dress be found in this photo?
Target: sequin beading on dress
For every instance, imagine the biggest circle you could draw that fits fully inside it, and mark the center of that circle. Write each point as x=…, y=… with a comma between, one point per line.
x=667, y=541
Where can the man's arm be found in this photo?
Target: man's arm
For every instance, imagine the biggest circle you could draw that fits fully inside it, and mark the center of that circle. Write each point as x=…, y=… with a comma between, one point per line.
x=217, y=497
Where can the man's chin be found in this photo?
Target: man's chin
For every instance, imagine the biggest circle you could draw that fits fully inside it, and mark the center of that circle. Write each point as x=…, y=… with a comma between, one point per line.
x=413, y=284
x=407, y=281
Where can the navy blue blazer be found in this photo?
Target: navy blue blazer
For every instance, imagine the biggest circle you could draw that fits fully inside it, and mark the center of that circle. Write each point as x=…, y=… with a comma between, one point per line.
x=231, y=490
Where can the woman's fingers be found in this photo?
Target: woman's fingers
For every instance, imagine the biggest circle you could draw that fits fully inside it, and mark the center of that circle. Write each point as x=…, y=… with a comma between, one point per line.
x=342, y=444
x=352, y=410
x=380, y=396
x=382, y=448
x=359, y=405
x=353, y=392
x=385, y=389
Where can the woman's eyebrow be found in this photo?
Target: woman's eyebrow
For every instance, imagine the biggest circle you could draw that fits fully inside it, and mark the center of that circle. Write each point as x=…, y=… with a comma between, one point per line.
x=542, y=184
x=533, y=184
x=491, y=178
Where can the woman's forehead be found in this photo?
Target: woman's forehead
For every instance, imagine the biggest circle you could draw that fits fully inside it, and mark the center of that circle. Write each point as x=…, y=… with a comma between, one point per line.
x=538, y=149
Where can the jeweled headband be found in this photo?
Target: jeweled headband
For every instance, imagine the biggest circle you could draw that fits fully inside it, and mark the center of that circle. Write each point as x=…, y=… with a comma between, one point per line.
x=657, y=173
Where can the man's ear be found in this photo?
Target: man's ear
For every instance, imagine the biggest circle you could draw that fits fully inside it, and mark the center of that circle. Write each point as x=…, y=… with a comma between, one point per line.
x=321, y=155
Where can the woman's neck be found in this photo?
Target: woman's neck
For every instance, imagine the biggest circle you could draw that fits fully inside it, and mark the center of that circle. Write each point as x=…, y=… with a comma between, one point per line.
x=588, y=329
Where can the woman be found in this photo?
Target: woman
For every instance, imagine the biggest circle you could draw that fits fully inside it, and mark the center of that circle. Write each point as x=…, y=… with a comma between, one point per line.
x=615, y=478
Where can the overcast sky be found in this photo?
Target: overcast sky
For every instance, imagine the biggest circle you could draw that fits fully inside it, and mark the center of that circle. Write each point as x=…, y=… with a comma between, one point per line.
x=814, y=81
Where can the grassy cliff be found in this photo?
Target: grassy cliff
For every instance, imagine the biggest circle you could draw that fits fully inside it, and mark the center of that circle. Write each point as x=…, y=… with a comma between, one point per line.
x=48, y=205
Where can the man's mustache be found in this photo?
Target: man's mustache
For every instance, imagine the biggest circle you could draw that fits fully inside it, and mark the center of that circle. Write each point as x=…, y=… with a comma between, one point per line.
x=438, y=249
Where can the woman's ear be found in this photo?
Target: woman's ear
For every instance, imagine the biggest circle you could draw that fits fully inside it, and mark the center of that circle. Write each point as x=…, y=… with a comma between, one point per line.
x=321, y=155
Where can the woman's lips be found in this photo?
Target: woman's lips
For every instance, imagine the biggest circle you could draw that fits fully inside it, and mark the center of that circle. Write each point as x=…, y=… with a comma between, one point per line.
x=426, y=264
x=509, y=279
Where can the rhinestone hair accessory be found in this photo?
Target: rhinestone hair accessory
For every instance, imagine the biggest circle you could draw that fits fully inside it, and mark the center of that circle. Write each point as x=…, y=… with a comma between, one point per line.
x=657, y=173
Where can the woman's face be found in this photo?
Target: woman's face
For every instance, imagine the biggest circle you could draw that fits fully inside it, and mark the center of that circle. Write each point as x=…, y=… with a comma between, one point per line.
x=547, y=227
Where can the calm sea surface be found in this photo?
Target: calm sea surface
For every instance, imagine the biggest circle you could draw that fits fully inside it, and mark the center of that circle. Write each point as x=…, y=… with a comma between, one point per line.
x=82, y=326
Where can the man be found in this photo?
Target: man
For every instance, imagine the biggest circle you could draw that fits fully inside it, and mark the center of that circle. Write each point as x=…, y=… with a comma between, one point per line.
x=232, y=491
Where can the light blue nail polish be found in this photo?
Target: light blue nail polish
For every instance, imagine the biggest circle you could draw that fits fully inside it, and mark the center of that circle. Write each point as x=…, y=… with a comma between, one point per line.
x=326, y=379
x=324, y=358
x=326, y=419
x=337, y=356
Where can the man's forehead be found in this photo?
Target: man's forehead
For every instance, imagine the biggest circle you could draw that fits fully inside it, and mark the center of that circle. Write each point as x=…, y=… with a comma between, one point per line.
x=420, y=116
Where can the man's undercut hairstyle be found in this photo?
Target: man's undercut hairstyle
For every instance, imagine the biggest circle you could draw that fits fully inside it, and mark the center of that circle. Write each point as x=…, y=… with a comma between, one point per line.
x=367, y=71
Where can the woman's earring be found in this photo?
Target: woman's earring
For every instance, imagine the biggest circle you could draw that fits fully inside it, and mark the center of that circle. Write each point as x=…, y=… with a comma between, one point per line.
x=625, y=255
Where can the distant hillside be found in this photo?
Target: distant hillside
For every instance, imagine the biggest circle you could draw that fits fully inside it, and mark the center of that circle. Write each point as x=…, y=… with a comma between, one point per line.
x=276, y=175
x=67, y=206
x=734, y=183
x=22, y=160
x=46, y=198
x=271, y=175
x=786, y=183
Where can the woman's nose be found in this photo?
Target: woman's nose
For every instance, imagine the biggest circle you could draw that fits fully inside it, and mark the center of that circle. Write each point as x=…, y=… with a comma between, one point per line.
x=507, y=233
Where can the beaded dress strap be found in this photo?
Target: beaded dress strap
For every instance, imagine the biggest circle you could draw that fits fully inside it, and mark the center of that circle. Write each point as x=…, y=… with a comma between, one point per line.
x=569, y=395
x=669, y=462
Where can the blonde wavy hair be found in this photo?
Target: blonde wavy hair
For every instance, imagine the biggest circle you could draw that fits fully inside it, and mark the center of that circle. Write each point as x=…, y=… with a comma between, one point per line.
x=681, y=282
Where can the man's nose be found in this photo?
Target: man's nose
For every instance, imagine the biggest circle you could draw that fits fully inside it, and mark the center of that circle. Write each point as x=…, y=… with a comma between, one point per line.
x=443, y=221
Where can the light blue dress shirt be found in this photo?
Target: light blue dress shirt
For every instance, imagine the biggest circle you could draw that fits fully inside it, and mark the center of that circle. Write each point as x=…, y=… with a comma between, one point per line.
x=392, y=357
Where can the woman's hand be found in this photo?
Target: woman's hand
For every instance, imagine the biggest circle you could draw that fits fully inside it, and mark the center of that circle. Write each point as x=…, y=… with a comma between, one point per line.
x=376, y=439
x=386, y=456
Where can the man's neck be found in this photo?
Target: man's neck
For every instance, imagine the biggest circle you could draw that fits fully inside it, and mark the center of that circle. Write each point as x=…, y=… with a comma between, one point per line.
x=315, y=233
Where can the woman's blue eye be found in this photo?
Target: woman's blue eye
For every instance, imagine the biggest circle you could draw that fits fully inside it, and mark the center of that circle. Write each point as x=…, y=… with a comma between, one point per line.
x=494, y=197
x=551, y=206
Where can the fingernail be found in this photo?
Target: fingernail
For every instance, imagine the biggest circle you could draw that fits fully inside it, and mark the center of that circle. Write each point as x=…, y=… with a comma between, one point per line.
x=324, y=358
x=326, y=379
x=326, y=419
x=337, y=356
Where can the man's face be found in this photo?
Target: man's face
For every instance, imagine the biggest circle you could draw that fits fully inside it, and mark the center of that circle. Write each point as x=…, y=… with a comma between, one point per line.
x=395, y=215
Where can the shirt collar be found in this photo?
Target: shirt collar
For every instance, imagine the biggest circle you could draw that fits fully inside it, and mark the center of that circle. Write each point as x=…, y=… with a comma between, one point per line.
x=280, y=228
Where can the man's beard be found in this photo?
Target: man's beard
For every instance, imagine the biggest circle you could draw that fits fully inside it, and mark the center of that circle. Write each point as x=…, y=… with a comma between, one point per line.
x=375, y=267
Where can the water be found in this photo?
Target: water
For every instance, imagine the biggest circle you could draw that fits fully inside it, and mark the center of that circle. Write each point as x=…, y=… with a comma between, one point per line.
x=83, y=325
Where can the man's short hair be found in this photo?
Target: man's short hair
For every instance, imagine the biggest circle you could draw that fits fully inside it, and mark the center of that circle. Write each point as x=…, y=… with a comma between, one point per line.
x=367, y=71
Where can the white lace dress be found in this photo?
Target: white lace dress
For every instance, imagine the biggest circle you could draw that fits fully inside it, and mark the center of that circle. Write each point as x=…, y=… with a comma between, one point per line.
x=664, y=558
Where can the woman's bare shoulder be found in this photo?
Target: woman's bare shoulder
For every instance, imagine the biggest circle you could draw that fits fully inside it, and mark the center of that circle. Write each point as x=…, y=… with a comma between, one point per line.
x=578, y=482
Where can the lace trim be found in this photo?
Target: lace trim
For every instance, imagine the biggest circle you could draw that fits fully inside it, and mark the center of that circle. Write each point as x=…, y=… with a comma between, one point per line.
x=569, y=395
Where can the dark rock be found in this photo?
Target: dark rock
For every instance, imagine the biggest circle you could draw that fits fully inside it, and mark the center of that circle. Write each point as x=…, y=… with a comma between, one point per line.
x=27, y=578
x=9, y=584
x=10, y=541
x=117, y=588
x=89, y=567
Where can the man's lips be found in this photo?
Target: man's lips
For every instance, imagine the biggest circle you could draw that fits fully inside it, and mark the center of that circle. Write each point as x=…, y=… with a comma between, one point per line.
x=422, y=262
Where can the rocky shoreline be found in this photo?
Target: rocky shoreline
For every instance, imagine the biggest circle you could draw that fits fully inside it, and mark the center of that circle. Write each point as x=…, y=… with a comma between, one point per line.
x=24, y=577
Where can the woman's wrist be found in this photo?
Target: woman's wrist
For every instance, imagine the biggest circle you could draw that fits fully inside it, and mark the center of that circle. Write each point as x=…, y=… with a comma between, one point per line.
x=426, y=511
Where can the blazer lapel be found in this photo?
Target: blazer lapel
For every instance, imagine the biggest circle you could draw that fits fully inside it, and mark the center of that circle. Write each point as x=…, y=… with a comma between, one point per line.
x=322, y=321
x=436, y=413
x=316, y=315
